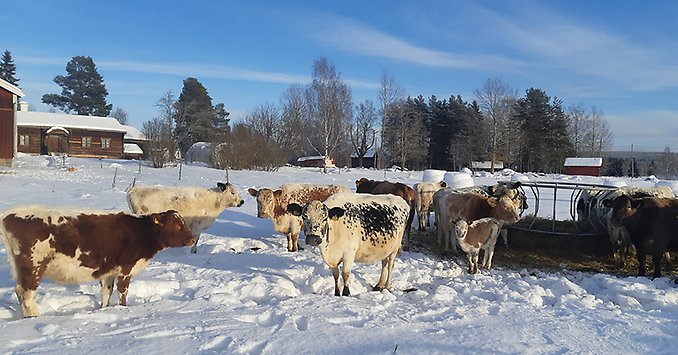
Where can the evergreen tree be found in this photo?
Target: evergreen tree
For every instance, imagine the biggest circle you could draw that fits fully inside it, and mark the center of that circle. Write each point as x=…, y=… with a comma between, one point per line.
x=197, y=120
x=545, y=141
x=82, y=91
x=8, y=69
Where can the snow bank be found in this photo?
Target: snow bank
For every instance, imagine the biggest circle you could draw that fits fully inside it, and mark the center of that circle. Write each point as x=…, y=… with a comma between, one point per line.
x=669, y=183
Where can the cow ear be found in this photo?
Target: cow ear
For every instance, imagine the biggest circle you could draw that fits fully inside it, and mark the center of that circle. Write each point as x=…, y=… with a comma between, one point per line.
x=515, y=185
x=222, y=186
x=294, y=209
x=491, y=189
x=252, y=192
x=443, y=184
x=492, y=201
x=335, y=213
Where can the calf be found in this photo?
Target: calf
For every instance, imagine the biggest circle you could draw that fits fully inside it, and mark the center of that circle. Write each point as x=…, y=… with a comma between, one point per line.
x=351, y=228
x=72, y=246
x=199, y=206
x=373, y=187
x=273, y=204
x=651, y=223
x=480, y=234
x=424, y=199
x=473, y=206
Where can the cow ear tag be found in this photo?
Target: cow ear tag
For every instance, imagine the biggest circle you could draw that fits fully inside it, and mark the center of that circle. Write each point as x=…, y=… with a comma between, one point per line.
x=155, y=220
x=335, y=218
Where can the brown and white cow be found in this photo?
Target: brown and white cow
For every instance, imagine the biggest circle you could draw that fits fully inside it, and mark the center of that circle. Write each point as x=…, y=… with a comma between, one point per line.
x=364, y=185
x=273, y=204
x=424, y=199
x=479, y=234
x=199, y=206
x=73, y=246
x=470, y=207
x=351, y=228
x=652, y=225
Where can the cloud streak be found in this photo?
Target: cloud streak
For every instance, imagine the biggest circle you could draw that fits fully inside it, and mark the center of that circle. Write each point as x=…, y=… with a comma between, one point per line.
x=354, y=37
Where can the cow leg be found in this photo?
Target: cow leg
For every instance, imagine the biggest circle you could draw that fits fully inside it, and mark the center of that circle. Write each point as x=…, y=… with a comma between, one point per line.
x=504, y=236
x=123, y=287
x=385, y=277
x=29, y=307
x=345, y=273
x=106, y=290
x=641, y=263
x=657, y=265
x=26, y=289
x=475, y=261
x=290, y=247
x=295, y=242
x=420, y=219
x=427, y=217
x=194, y=248
x=335, y=274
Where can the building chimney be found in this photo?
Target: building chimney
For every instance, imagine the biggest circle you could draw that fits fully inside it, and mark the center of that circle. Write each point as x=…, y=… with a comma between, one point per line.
x=23, y=106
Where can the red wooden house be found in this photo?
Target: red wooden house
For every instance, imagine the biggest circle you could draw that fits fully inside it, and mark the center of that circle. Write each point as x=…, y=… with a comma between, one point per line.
x=9, y=97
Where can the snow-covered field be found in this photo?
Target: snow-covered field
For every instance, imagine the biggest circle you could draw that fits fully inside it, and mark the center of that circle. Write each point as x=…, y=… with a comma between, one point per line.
x=244, y=293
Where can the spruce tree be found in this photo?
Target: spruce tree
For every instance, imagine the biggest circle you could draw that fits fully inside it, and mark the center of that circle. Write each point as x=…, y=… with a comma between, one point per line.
x=197, y=120
x=82, y=91
x=8, y=69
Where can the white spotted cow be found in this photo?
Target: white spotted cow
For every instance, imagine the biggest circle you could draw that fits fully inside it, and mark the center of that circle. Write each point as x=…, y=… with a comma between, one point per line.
x=479, y=234
x=273, y=204
x=71, y=246
x=350, y=228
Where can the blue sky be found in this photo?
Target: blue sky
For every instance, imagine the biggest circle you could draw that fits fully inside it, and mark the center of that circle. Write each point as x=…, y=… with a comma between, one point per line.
x=620, y=56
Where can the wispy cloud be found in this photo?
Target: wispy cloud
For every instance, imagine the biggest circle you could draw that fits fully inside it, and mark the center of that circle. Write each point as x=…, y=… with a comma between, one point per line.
x=202, y=71
x=351, y=36
x=554, y=41
x=646, y=130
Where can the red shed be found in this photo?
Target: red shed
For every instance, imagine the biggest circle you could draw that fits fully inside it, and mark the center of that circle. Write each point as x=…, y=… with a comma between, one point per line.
x=583, y=166
x=9, y=95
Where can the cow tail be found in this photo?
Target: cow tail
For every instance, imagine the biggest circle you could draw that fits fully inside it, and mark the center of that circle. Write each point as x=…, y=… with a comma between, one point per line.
x=8, y=246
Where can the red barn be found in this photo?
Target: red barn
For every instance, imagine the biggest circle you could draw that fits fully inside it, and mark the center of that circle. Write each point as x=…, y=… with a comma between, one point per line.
x=9, y=95
x=583, y=166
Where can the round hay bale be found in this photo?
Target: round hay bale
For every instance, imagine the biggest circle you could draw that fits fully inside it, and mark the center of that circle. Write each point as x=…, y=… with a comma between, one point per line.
x=673, y=185
x=458, y=180
x=519, y=177
x=432, y=175
x=615, y=183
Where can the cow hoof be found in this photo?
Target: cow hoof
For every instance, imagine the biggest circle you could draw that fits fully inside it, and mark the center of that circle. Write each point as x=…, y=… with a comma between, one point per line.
x=377, y=288
x=346, y=292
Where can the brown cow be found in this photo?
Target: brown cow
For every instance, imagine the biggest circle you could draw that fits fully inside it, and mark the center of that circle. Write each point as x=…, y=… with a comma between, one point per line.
x=472, y=206
x=374, y=187
x=73, y=246
x=273, y=204
x=651, y=222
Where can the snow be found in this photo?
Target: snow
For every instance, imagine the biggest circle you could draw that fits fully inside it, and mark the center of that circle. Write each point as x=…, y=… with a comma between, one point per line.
x=131, y=148
x=244, y=293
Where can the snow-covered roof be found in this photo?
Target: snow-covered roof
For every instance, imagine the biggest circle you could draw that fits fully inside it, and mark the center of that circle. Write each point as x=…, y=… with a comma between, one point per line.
x=369, y=154
x=48, y=119
x=133, y=133
x=597, y=162
x=57, y=128
x=313, y=157
x=131, y=148
x=486, y=165
x=11, y=88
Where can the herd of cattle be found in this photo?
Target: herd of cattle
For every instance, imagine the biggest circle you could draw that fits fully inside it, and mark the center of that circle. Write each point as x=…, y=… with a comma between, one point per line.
x=373, y=224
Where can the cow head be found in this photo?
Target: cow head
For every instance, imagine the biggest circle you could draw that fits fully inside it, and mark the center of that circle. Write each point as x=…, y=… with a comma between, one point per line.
x=363, y=185
x=623, y=207
x=171, y=229
x=315, y=216
x=505, y=208
x=510, y=189
x=266, y=201
x=231, y=197
x=442, y=184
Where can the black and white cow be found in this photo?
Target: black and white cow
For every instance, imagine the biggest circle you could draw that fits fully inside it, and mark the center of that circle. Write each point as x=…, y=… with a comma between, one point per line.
x=350, y=227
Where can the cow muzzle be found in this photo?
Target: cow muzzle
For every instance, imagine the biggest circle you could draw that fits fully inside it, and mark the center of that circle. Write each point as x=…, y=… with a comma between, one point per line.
x=242, y=202
x=313, y=240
